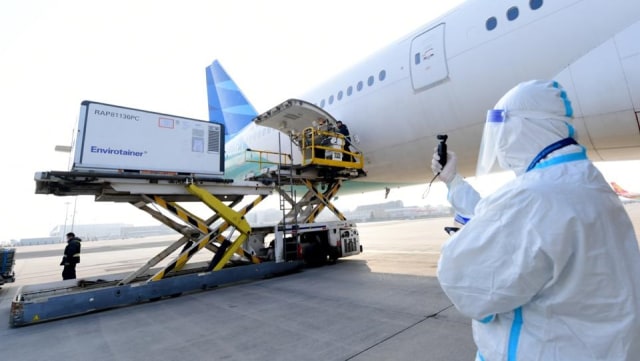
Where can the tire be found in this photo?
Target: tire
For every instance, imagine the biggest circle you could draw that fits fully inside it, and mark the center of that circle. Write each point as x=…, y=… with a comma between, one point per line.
x=333, y=255
x=314, y=255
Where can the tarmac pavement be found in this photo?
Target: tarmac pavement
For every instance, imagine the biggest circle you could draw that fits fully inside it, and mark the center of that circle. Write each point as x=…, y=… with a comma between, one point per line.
x=384, y=304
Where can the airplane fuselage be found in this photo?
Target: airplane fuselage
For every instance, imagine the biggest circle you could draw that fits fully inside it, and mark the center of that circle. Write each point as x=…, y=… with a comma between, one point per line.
x=443, y=78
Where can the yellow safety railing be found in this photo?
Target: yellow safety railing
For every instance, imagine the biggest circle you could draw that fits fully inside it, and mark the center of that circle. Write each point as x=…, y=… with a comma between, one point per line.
x=328, y=148
x=265, y=158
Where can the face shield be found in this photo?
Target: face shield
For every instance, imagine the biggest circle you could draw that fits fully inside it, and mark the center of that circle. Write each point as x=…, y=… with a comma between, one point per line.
x=524, y=121
x=493, y=129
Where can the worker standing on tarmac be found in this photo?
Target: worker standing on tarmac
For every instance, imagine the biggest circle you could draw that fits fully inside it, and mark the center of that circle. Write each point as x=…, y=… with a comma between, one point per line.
x=71, y=256
x=548, y=266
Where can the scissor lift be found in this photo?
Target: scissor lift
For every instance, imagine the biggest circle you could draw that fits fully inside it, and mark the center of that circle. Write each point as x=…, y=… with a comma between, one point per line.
x=230, y=262
x=327, y=159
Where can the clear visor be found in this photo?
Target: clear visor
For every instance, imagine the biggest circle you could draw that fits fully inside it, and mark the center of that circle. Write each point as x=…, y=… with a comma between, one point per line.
x=488, y=156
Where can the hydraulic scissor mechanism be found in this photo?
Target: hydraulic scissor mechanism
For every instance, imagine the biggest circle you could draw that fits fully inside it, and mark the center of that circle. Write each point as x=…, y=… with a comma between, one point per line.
x=311, y=204
x=171, y=271
x=237, y=252
x=198, y=233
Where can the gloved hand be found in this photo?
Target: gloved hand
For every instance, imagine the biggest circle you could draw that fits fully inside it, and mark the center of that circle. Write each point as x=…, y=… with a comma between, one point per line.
x=450, y=169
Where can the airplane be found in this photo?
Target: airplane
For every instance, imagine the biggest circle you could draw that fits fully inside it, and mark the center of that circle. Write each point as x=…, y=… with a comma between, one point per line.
x=621, y=192
x=444, y=76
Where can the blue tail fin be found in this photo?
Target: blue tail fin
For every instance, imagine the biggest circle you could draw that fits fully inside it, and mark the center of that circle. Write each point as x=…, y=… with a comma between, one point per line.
x=227, y=104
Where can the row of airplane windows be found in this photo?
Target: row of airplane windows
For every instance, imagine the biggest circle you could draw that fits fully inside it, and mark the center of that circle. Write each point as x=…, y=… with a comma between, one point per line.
x=491, y=23
x=382, y=75
x=512, y=14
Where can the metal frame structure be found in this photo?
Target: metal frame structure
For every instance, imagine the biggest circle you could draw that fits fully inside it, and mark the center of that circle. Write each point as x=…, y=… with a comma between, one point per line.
x=230, y=262
x=37, y=303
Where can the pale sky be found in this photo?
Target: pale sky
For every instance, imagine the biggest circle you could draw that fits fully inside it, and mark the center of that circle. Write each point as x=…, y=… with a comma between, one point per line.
x=151, y=55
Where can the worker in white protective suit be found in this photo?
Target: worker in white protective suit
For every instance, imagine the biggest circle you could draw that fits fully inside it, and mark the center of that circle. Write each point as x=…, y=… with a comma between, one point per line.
x=548, y=266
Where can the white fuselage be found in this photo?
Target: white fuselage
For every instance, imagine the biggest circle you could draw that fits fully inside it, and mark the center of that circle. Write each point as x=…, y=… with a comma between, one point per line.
x=443, y=77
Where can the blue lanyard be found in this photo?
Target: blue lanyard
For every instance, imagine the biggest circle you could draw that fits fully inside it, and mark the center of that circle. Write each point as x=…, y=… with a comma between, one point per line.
x=561, y=159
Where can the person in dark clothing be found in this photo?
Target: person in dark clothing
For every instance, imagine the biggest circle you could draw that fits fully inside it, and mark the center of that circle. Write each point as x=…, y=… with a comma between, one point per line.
x=344, y=130
x=321, y=139
x=71, y=257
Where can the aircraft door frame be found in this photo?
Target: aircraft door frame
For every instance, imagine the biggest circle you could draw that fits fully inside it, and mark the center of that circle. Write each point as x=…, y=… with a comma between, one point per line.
x=428, y=60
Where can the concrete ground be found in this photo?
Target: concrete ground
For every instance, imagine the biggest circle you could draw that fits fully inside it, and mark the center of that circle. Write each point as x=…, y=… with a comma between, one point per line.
x=384, y=304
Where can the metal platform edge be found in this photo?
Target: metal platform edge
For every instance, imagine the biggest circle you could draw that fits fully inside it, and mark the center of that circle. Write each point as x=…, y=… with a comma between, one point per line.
x=114, y=187
x=53, y=307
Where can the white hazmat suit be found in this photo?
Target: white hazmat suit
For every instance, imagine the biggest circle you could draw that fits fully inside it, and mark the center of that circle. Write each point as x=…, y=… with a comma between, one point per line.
x=548, y=267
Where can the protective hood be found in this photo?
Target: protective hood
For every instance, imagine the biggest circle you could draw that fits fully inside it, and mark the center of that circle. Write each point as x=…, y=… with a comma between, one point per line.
x=528, y=118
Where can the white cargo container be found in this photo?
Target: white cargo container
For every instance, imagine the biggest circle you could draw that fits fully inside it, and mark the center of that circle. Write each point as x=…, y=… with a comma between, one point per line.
x=120, y=139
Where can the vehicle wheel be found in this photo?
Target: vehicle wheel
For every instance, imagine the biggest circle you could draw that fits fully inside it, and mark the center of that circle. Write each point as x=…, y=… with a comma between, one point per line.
x=314, y=255
x=333, y=255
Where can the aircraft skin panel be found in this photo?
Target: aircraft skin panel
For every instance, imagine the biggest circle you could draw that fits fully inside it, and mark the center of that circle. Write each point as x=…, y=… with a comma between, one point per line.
x=484, y=62
x=631, y=68
x=429, y=62
x=396, y=122
x=628, y=47
x=257, y=138
x=603, y=87
x=599, y=80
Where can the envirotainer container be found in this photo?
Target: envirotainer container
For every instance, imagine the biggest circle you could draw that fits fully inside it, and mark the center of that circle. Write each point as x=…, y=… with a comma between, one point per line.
x=126, y=140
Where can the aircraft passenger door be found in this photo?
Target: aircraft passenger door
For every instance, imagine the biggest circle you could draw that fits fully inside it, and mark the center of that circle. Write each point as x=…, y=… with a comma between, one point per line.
x=428, y=61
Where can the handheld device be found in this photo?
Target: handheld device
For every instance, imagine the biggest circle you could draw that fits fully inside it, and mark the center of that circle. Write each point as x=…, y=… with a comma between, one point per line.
x=442, y=149
x=442, y=153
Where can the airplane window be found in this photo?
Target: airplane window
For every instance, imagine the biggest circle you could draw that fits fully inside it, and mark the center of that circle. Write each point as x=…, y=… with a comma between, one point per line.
x=340, y=95
x=382, y=75
x=512, y=13
x=370, y=80
x=491, y=24
x=322, y=103
x=331, y=99
x=359, y=86
x=416, y=58
x=535, y=4
x=349, y=90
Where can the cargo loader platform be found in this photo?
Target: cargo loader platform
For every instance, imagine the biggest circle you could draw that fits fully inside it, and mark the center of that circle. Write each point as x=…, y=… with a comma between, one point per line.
x=223, y=234
x=326, y=159
x=50, y=301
